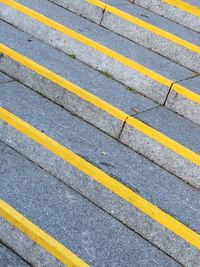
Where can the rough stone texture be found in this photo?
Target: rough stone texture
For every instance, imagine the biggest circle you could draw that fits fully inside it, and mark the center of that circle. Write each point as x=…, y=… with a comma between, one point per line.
x=106, y=153
x=82, y=8
x=174, y=127
x=161, y=155
x=79, y=224
x=25, y=248
x=154, y=42
x=184, y=106
x=92, y=57
x=10, y=259
x=168, y=11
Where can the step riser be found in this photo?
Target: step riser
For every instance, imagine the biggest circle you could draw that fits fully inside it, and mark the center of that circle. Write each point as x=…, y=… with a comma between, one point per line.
x=120, y=209
x=25, y=247
x=91, y=57
x=143, y=37
x=168, y=11
x=183, y=106
x=136, y=140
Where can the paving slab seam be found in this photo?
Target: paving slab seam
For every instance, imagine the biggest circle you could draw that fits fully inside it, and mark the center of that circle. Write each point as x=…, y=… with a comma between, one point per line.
x=17, y=254
x=90, y=200
x=138, y=68
x=124, y=123
x=39, y=236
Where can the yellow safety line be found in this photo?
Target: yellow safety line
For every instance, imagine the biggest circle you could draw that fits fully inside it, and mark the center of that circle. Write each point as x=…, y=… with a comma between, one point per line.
x=147, y=26
x=115, y=112
x=82, y=39
x=40, y=237
x=103, y=178
x=194, y=10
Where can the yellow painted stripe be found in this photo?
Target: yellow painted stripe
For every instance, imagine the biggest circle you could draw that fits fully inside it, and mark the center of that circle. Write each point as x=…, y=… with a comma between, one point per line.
x=104, y=179
x=39, y=236
x=186, y=93
x=81, y=38
x=113, y=111
x=147, y=26
x=194, y=10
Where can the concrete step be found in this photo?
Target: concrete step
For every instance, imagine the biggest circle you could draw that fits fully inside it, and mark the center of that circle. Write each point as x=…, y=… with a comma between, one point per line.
x=10, y=259
x=174, y=154
x=74, y=221
x=143, y=27
x=184, y=12
x=106, y=172
x=125, y=61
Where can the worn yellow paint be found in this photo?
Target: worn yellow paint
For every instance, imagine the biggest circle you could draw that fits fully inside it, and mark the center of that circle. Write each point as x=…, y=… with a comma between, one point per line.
x=96, y=101
x=39, y=236
x=194, y=10
x=104, y=179
x=147, y=26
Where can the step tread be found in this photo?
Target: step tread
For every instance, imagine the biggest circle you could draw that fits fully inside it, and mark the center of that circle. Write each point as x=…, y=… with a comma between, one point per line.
x=136, y=172
x=80, y=225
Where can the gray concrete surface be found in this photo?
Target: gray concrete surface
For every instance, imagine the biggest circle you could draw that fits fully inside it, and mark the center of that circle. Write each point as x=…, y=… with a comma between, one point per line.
x=177, y=128
x=4, y=78
x=183, y=106
x=86, y=77
x=184, y=18
x=9, y=259
x=77, y=223
x=142, y=176
x=92, y=57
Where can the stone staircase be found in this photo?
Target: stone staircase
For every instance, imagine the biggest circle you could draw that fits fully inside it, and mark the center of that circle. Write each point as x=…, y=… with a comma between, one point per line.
x=99, y=133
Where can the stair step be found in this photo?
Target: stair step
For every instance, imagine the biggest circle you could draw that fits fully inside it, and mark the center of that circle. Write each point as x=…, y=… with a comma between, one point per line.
x=180, y=160
x=113, y=158
x=176, y=10
x=129, y=63
x=70, y=218
x=147, y=29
